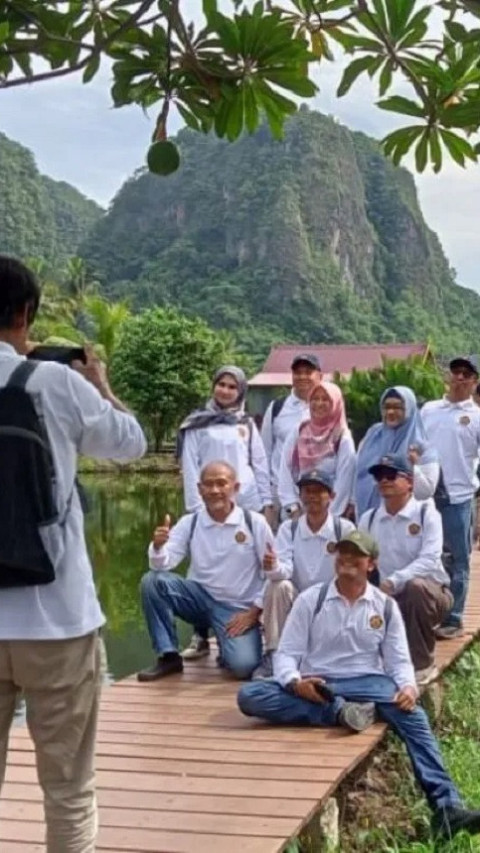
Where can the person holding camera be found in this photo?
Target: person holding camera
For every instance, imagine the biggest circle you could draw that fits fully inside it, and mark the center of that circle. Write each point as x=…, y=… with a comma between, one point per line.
x=50, y=616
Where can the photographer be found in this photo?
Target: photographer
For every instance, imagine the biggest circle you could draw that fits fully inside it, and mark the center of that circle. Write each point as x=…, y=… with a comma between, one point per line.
x=49, y=613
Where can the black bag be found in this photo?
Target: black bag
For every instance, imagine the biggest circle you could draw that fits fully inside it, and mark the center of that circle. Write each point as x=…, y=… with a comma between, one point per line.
x=27, y=504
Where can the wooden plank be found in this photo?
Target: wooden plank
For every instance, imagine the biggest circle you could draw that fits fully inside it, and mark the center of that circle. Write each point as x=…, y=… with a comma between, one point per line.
x=204, y=803
x=152, y=841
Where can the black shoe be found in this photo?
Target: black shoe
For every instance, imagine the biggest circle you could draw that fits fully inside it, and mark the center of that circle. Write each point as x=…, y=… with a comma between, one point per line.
x=163, y=667
x=448, y=821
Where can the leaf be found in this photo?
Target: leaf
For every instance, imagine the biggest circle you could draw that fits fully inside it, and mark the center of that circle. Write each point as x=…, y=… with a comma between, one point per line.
x=421, y=152
x=352, y=71
x=435, y=150
x=397, y=104
x=456, y=31
x=250, y=108
x=189, y=118
x=209, y=8
x=4, y=31
x=462, y=115
x=458, y=148
x=295, y=82
x=91, y=68
x=385, y=79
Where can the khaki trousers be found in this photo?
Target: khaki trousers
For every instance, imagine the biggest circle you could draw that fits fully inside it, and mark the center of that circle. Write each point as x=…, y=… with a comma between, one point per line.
x=61, y=682
x=423, y=603
x=277, y=603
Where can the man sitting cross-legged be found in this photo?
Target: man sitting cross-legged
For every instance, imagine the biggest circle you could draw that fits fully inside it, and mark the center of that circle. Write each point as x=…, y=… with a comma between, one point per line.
x=347, y=639
x=224, y=586
x=303, y=556
x=409, y=537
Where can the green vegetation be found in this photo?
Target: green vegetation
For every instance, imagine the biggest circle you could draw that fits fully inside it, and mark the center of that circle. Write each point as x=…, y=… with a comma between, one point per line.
x=314, y=239
x=163, y=366
x=228, y=70
x=39, y=217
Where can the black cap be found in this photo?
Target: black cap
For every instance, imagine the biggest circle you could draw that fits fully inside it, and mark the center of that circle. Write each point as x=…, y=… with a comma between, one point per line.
x=306, y=358
x=395, y=461
x=316, y=477
x=468, y=361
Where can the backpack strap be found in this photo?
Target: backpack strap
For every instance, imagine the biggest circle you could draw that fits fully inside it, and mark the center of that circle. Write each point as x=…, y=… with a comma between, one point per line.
x=337, y=528
x=248, y=520
x=192, y=529
x=388, y=612
x=294, y=528
x=371, y=518
x=277, y=407
x=423, y=510
x=321, y=599
x=21, y=374
x=250, y=439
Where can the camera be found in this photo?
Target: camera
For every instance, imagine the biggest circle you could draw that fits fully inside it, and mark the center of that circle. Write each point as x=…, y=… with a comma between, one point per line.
x=61, y=354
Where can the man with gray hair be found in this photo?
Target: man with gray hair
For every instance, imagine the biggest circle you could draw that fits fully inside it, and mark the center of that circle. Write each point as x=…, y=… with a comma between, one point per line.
x=223, y=589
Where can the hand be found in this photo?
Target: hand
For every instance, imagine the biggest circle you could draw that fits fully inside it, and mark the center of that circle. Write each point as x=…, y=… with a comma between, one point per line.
x=270, y=559
x=406, y=698
x=294, y=513
x=241, y=622
x=270, y=514
x=161, y=534
x=305, y=689
x=413, y=454
x=349, y=512
x=93, y=371
x=387, y=587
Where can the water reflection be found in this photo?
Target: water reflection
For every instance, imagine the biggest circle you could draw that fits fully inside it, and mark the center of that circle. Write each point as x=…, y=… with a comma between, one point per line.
x=123, y=512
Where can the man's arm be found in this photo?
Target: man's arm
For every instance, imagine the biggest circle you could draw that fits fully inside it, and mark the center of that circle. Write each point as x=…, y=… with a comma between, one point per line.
x=287, y=490
x=176, y=548
x=260, y=466
x=267, y=433
x=293, y=641
x=284, y=554
x=395, y=651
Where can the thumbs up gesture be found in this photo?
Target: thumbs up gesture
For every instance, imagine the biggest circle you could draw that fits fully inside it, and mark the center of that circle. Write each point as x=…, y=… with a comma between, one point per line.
x=270, y=558
x=161, y=533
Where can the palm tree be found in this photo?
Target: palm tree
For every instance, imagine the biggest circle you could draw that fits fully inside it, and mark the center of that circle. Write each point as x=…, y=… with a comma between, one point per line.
x=106, y=319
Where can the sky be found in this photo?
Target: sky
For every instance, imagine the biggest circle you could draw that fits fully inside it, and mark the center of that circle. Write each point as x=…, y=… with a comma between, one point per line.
x=77, y=136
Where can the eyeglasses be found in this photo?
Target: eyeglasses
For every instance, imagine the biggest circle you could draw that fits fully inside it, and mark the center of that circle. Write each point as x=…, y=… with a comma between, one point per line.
x=393, y=407
x=389, y=474
x=463, y=373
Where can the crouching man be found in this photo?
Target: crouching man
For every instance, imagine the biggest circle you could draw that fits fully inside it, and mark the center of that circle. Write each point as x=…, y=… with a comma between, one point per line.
x=343, y=658
x=224, y=585
x=409, y=537
x=303, y=556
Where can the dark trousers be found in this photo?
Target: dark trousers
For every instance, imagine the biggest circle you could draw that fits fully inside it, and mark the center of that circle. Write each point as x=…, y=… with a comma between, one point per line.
x=424, y=604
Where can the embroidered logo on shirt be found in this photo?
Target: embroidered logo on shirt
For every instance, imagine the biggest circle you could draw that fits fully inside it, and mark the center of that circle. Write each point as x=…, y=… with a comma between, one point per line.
x=464, y=420
x=242, y=431
x=376, y=621
x=331, y=547
x=240, y=537
x=414, y=529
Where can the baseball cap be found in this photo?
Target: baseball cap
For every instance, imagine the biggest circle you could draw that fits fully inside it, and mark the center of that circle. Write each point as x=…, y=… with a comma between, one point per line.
x=470, y=362
x=318, y=477
x=306, y=358
x=362, y=541
x=395, y=461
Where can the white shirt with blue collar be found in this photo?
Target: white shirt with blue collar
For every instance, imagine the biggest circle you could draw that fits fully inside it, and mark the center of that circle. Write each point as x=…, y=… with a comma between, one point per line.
x=344, y=640
x=307, y=557
x=226, y=558
x=77, y=420
x=454, y=429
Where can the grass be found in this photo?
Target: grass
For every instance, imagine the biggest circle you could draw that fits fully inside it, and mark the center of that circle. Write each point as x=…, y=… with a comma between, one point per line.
x=384, y=811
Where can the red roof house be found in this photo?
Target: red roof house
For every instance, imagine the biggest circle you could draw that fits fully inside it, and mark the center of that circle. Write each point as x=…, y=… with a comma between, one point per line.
x=341, y=358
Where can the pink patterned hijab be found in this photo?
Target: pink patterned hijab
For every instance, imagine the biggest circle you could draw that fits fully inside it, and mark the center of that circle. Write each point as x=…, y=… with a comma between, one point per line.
x=320, y=437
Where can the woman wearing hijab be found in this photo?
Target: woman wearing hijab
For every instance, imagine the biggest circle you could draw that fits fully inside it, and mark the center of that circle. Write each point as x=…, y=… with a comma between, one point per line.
x=400, y=431
x=222, y=431
x=323, y=440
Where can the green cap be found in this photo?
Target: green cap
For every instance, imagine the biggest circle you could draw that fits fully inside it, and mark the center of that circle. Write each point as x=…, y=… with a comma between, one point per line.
x=363, y=541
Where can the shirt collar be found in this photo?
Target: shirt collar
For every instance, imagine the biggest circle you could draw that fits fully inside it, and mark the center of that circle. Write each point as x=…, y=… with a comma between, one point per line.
x=333, y=592
x=463, y=404
x=7, y=349
x=407, y=512
x=326, y=531
x=234, y=519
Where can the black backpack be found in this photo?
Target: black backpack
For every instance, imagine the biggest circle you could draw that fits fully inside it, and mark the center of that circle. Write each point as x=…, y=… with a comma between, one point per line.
x=27, y=503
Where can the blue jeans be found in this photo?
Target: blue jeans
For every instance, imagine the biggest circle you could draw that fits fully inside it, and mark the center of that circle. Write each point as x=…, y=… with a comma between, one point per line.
x=457, y=522
x=166, y=595
x=269, y=701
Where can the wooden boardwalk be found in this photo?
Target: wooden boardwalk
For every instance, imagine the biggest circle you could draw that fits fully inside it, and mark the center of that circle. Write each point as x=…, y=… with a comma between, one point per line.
x=180, y=769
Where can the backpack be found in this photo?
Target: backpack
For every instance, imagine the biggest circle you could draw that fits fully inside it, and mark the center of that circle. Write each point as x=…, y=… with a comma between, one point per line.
x=277, y=407
x=248, y=521
x=27, y=503
x=323, y=594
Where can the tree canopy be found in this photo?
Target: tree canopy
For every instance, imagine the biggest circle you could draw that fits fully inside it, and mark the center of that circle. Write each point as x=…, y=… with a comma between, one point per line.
x=231, y=70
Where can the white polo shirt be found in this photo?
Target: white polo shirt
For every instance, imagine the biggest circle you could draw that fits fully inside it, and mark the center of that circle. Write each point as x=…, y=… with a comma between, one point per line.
x=225, y=558
x=307, y=557
x=341, y=466
x=344, y=640
x=454, y=429
x=78, y=420
x=410, y=542
x=274, y=433
x=238, y=444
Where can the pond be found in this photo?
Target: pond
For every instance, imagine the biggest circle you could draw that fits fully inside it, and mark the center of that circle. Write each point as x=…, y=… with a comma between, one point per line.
x=123, y=512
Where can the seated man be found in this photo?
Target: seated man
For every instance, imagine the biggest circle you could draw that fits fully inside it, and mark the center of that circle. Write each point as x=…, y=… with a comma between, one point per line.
x=224, y=585
x=303, y=556
x=409, y=537
x=343, y=656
